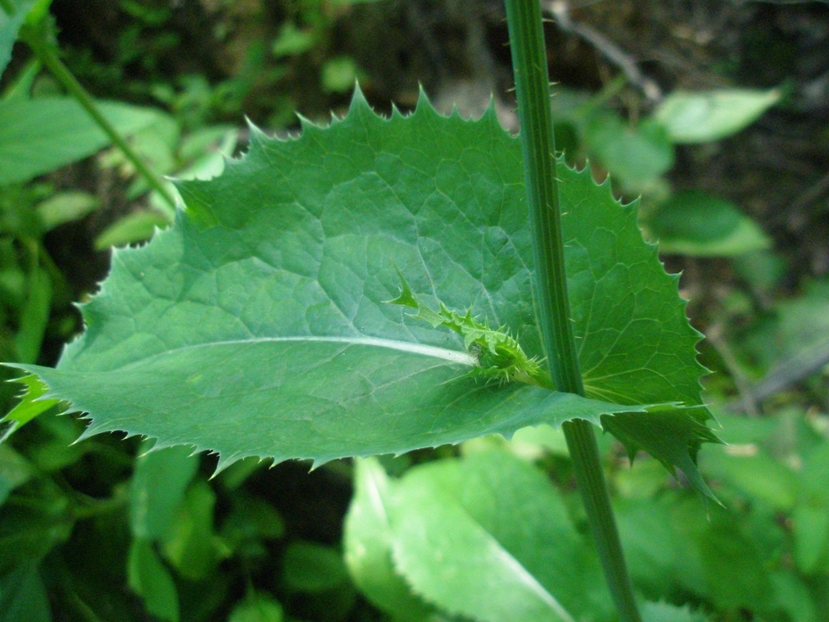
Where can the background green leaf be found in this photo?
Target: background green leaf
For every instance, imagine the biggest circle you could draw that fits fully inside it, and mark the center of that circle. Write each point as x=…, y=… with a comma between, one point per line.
x=39, y=135
x=158, y=489
x=489, y=538
x=703, y=117
x=152, y=581
x=635, y=156
x=191, y=545
x=10, y=26
x=257, y=608
x=694, y=223
x=14, y=471
x=367, y=542
x=23, y=595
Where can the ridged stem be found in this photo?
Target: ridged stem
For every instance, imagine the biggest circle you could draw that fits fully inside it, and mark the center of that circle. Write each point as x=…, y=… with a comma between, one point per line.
x=529, y=63
x=46, y=54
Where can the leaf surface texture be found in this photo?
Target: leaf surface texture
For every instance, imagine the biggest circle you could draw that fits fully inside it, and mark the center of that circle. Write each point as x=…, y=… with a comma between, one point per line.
x=260, y=324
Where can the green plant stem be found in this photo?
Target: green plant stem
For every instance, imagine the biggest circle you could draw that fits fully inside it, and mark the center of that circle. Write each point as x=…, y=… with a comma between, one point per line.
x=46, y=54
x=538, y=146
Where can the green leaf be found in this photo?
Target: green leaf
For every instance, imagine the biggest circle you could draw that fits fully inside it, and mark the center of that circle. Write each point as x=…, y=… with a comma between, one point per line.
x=38, y=136
x=258, y=325
x=65, y=207
x=489, y=538
x=291, y=41
x=339, y=74
x=310, y=567
x=367, y=542
x=23, y=595
x=34, y=316
x=810, y=517
x=10, y=24
x=136, y=227
x=190, y=545
x=250, y=523
x=47, y=521
x=665, y=612
x=257, y=608
x=694, y=223
x=158, y=488
x=14, y=471
x=705, y=117
x=151, y=580
x=796, y=335
x=319, y=572
x=34, y=405
x=792, y=595
x=759, y=477
x=634, y=156
x=811, y=536
x=672, y=543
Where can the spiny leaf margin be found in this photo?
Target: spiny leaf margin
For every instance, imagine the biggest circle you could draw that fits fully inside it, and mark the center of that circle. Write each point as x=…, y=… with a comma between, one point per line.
x=670, y=435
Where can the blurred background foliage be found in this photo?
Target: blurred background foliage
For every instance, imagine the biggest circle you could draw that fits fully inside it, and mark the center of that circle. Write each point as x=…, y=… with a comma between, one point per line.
x=715, y=113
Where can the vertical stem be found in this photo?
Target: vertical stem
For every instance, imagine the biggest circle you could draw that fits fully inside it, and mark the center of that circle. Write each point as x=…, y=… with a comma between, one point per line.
x=49, y=58
x=538, y=146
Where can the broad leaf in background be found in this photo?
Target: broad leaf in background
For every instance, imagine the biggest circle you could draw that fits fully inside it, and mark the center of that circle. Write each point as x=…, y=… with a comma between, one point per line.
x=10, y=23
x=668, y=546
x=158, y=488
x=47, y=523
x=150, y=579
x=257, y=608
x=796, y=333
x=665, y=612
x=694, y=223
x=39, y=135
x=705, y=117
x=34, y=316
x=489, y=538
x=65, y=207
x=260, y=324
x=367, y=541
x=311, y=567
x=15, y=471
x=135, y=227
x=811, y=520
x=318, y=573
x=23, y=595
x=191, y=545
x=635, y=156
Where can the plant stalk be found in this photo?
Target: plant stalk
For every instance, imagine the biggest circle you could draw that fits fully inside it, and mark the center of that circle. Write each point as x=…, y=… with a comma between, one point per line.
x=46, y=54
x=532, y=85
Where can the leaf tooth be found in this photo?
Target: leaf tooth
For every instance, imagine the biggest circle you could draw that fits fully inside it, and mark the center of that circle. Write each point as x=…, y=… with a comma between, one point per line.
x=490, y=115
x=396, y=113
x=93, y=428
x=308, y=127
x=359, y=105
x=225, y=460
x=424, y=104
x=319, y=462
x=257, y=136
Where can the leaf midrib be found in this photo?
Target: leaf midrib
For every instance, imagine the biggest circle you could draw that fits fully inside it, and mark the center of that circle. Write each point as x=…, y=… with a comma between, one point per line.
x=451, y=356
